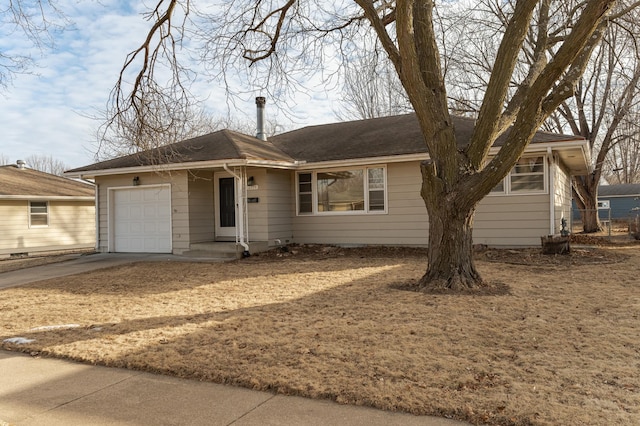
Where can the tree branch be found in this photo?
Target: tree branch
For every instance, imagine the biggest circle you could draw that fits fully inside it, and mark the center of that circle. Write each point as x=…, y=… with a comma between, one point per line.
x=487, y=126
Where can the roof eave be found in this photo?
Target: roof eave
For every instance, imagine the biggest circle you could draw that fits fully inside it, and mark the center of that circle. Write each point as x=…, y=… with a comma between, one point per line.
x=47, y=197
x=195, y=165
x=575, y=153
x=402, y=158
x=559, y=146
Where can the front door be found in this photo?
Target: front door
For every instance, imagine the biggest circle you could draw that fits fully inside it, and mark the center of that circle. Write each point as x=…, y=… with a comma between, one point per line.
x=225, y=207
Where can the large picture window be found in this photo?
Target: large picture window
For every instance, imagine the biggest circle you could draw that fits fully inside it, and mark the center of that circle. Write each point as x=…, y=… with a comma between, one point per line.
x=38, y=213
x=526, y=177
x=344, y=191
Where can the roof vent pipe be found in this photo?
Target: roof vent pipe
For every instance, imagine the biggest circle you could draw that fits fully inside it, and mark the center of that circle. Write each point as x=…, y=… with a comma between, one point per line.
x=21, y=164
x=260, y=102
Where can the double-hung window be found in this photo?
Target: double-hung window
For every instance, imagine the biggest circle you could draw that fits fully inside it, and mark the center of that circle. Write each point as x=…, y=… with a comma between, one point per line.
x=38, y=214
x=342, y=191
x=526, y=177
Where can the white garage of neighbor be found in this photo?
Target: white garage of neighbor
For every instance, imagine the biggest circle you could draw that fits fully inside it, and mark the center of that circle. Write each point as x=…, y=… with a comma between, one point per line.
x=140, y=219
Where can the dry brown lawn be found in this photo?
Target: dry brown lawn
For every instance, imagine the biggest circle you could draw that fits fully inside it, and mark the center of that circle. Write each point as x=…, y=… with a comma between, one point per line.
x=559, y=346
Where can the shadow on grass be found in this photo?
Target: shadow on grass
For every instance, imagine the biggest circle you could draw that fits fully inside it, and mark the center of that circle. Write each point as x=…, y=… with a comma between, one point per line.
x=354, y=343
x=488, y=359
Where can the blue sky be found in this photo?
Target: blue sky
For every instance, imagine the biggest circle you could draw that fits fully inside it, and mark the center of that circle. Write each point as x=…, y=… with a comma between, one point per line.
x=47, y=112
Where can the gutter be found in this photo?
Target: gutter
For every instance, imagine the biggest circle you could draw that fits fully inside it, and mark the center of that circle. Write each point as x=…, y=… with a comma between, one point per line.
x=47, y=197
x=241, y=213
x=195, y=165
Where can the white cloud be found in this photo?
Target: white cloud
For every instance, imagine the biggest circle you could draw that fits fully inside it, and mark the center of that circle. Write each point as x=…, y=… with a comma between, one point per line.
x=46, y=113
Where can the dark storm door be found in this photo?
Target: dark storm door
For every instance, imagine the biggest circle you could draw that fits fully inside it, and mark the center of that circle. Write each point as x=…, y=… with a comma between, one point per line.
x=226, y=207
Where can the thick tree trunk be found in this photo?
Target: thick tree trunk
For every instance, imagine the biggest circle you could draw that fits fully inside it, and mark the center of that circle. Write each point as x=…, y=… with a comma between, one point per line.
x=586, y=191
x=590, y=219
x=450, y=252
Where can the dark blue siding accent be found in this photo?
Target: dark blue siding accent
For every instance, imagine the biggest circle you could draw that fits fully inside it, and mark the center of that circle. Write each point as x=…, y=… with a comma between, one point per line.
x=620, y=207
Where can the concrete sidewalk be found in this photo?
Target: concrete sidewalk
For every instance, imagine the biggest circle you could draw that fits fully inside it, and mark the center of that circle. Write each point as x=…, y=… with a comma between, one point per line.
x=41, y=391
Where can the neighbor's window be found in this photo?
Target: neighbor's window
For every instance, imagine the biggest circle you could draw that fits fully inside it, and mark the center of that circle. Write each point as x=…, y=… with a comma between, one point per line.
x=38, y=213
x=528, y=175
x=346, y=191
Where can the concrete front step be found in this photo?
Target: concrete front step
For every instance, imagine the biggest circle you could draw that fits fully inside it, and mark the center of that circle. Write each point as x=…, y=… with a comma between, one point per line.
x=223, y=250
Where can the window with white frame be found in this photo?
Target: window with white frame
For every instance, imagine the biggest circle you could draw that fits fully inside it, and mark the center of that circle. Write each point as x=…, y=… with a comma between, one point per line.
x=342, y=191
x=526, y=177
x=305, y=193
x=38, y=213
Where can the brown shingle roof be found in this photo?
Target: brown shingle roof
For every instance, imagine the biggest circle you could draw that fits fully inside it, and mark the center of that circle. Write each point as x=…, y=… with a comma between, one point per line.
x=620, y=190
x=378, y=137
x=220, y=145
x=32, y=183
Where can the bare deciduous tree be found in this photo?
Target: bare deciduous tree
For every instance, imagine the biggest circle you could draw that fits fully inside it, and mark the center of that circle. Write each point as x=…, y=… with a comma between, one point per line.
x=37, y=21
x=269, y=40
x=606, y=93
x=4, y=160
x=164, y=126
x=622, y=165
x=46, y=163
x=371, y=88
x=604, y=98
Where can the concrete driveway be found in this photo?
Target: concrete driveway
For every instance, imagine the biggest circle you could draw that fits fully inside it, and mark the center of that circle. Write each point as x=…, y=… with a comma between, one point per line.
x=84, y=263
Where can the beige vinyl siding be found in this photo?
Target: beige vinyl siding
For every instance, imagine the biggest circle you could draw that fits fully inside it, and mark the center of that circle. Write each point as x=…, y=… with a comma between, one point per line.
x=507, y=220
x=71, y=225
x=180, y=211
x=405, y=223
x=562, y=199
x=512, y=220
x=179, y=204
x=279, y=208
x=201, y=213
x=258, y=220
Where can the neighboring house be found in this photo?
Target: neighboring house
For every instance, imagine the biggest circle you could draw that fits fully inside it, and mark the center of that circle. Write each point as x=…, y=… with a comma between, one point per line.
x=43, y=212
x=350, y=183
x=621, y=199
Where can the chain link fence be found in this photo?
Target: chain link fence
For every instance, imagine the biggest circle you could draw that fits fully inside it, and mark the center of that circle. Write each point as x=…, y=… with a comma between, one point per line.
x=604, y=216
x=611, y=226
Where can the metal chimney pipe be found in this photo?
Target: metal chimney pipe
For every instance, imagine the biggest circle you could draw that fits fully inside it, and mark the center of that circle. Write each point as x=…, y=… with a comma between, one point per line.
x=260, y=102
x=21, y=164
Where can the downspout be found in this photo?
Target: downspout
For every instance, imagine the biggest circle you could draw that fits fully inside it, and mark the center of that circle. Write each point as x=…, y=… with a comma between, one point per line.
x=552, y=198
x=240, y=211
x=97, y=205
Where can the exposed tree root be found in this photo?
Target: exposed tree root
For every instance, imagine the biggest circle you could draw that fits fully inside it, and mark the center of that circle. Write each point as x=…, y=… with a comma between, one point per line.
x=456, y=283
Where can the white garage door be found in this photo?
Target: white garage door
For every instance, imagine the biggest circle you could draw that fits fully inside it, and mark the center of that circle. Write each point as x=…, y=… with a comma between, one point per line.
x=142, y=220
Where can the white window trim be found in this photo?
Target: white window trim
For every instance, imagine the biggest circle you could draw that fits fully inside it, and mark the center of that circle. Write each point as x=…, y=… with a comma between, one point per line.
x=38, y=214
x=314, y=192
x=507, y=181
